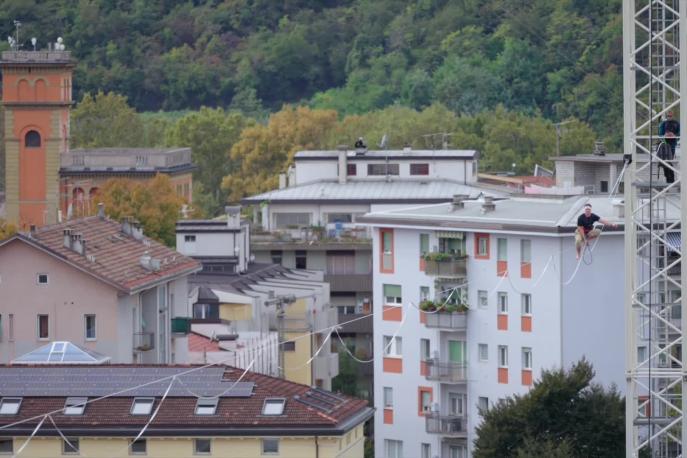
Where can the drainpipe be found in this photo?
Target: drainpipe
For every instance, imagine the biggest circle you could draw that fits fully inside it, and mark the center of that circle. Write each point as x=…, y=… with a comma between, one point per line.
x=317, y=447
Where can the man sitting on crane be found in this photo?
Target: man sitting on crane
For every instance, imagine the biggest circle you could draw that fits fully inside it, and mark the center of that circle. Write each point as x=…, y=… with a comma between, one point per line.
x=669, y=131
x=585, y=228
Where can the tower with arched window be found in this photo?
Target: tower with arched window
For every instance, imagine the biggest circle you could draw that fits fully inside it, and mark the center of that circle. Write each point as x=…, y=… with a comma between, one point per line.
x=36, y=98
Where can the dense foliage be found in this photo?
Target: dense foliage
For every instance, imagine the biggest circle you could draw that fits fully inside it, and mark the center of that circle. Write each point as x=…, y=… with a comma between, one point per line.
x=556, y=58
x=564, y=415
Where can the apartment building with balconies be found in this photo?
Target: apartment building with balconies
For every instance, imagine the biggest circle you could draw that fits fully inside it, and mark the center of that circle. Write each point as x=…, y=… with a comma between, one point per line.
x=242, y=308
x=98, y=283
x=311, y=221
x=472, y=299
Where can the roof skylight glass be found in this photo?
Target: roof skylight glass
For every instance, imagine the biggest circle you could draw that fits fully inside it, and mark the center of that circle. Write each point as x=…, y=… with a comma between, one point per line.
x=273, y=406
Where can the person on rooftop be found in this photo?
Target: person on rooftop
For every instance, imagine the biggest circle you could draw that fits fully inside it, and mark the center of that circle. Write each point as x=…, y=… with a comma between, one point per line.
x=585, y=228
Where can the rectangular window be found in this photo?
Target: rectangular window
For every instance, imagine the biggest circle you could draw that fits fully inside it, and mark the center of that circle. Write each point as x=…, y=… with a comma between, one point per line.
x=6, y=446
x=393, y=449
x=339, y=218
x=424, y=293
x=301, y=259
x=392, y=346
x=483, y=352
x=483, y=299
x=425, y=450
x=43, y=327
x=139, y=447
x=641, y=354
x=142, y=406
x=483, y=403
x=392, y=295
x=604, y=186
x=502, y=250
x=526, y=358
x=288, y=346
x=388, y=397
x=419, y=169
x=482, y=246
x=291, y=220
x=424, y=350
x=9, y=406
x=424, y=400
x=386, y=250
x=89, y=321
x=525, y=251
x=456, y=404
x=202, y=446
x=424, y=244
x=42, y=279
x=189, y=238
x=351, y=170
x=526, y=303
x=382, y=169
x=457, y=451
x=70, y=446
x=206, y=406
x=502, y=302
x=270, y=446
x=503, y=356
x=75, y=406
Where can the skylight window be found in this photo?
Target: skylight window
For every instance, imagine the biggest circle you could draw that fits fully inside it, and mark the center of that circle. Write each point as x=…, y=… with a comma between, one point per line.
x=142, y=406
x=273, y=406
x=9, y=406
x=75, y=406
x=206, y=406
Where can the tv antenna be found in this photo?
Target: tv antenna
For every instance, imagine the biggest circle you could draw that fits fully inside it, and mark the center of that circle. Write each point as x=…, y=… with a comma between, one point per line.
x=385, y=141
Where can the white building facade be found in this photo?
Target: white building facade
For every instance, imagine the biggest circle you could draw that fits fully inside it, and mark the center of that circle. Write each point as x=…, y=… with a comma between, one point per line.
x=530, y=307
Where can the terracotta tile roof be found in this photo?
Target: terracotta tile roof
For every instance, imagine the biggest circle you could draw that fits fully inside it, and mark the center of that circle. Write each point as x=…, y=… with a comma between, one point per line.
x=114, y=255
x=234, y=415
x=199, y=343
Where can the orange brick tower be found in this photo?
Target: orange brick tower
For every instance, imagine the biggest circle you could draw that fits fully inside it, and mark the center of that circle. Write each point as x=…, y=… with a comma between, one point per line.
x=36, y=98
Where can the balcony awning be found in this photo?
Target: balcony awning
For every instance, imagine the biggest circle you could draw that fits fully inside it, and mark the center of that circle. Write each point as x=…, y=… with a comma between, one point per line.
x=450, y=235
x=674, y=241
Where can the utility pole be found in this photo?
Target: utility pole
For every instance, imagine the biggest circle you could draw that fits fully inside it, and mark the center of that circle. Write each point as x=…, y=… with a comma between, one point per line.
x=558, y=135
x=280, y=302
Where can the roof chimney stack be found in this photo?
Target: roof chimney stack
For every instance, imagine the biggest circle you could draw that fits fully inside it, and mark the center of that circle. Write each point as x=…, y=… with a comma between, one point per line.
x=233, y=216
x=67, y=238
x=599, y=148
x=458, y=201
x=488, y=205
x=101, y=210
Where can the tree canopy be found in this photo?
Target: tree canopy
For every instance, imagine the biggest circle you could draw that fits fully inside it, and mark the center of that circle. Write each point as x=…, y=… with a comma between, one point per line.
x=554, y=58
x=154, y=203
x=563, y=415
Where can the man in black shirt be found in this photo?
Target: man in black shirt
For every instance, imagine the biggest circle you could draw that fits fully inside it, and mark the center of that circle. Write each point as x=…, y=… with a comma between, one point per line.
x=585, y=228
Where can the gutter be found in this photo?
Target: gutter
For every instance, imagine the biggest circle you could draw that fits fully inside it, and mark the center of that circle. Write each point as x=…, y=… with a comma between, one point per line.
x=193, y=431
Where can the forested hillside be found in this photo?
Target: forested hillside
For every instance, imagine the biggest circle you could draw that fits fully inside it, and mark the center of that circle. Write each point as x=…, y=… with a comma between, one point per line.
x=554, y=58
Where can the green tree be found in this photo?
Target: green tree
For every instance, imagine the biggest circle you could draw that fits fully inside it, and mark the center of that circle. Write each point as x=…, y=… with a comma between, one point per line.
x=211, y=133
x=263, y=151
x=105, y=120
x=347, y=380
x=154, y=203
x=564, y=413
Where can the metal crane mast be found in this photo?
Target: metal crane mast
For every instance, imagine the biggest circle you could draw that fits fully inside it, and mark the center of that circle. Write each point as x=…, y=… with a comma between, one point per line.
x=654, y=33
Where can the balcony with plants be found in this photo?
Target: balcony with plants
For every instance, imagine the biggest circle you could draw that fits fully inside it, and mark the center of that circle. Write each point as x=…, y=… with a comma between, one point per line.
x=442, y=314
x=439, y=264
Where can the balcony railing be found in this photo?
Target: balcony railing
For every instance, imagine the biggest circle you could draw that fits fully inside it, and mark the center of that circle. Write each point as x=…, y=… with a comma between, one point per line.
x=144, y=341
x=447, y=425
x=446, y=371
x=452, y=266
x=455, y=321
x=349, y=282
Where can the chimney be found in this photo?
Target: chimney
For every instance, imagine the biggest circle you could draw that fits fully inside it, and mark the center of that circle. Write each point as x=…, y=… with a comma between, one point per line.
x=282, y=180
x=343, y=163
x=67, y=238
x=233, y=216
x=77, y=243
x=136, y=230
x=457, y=202
x=599, y=148
x=101, y=210
x=32, y=230
x=145, y=261
x=488, y=205
x=126, y=225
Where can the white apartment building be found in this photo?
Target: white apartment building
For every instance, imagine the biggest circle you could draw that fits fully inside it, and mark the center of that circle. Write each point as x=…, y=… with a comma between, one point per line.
x=512, y=263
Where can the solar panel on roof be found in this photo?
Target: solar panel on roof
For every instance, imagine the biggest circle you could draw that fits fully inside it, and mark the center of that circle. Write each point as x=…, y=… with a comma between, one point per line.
x=320, y=399
x=101, y=380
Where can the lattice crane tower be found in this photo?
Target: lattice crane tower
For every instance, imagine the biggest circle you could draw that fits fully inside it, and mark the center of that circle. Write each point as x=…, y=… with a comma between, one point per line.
x=654, y=33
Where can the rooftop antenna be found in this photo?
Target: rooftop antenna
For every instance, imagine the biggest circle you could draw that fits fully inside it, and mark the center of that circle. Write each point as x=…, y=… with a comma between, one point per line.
x=385, y=141
x=17, y=26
